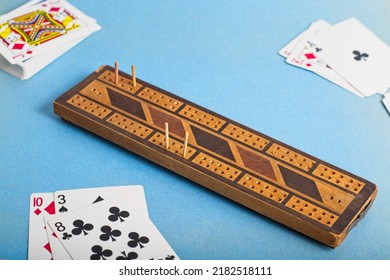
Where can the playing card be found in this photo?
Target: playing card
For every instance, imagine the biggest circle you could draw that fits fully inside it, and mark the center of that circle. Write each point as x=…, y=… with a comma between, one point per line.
x=26, y=69
x=70, y=200
x=109, y=230
x=302, y=56
x=355, y=53
x=338, y=80
x=41, y=205
x=287, y=49
x=58, y=251
x=41, y=27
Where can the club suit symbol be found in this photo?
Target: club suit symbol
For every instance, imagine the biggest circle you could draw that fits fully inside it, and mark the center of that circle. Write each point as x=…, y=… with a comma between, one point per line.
x=360, y=56
x=81, y=227
x=117, y=214
x=100, y=253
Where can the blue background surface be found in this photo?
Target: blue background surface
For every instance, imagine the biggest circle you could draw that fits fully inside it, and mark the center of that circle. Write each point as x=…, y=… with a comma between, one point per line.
x=221, y=55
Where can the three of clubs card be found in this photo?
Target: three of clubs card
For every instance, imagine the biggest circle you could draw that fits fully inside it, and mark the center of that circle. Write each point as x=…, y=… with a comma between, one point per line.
x=346, y=53
x=107, y=223
x=38, y=32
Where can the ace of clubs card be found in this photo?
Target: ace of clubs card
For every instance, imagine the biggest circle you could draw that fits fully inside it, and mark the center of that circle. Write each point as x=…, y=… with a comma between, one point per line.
x=356, y=54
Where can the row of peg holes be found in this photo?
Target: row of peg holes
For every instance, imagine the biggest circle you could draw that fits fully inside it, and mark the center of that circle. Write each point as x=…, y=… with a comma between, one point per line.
x=270, y=192
x=130, y=126
x=256, y=141
x=218, y=167
x=320, y=215
x=177, y=145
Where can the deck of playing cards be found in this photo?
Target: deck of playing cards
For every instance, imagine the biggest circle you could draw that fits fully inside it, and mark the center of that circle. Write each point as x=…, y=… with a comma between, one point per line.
x=38, y=32
x=346, y=53
x=106, y=223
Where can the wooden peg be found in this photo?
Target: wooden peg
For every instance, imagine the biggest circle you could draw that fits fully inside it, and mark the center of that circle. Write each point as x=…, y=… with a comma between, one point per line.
x=166, y=136
x=133, y=74
x=185, y=144
x=116, y=73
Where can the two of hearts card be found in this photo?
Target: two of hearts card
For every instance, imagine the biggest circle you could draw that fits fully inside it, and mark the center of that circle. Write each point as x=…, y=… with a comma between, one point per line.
x=346, y=53
x=104, y=223
x=38, y=32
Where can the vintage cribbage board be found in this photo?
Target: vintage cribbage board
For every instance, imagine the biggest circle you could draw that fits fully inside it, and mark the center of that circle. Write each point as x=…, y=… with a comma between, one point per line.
x=287, y=185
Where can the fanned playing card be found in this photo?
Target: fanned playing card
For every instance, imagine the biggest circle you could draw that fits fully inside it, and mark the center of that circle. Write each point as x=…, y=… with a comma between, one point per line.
x=70, y=200
x=109, y=230
x=303, y=55
x=58, y=251
x=41, y=205
x=287, y=49
x=355, y=53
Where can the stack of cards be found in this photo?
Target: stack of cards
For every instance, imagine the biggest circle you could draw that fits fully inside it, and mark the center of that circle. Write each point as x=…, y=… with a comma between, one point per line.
x=347, y=53
x=108, y=223
x=35, y=34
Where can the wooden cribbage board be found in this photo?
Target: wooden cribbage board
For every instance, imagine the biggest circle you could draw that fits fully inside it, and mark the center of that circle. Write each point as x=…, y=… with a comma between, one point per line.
x=253, y=169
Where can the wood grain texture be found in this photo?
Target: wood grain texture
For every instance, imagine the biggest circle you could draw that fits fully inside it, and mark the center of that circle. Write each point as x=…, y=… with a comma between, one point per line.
x=294, y=188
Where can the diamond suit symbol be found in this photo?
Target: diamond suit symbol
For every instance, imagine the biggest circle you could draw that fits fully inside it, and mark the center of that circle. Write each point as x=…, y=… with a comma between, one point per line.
x=18, y=46
x=55, y=9
x=37, y=211
x=50, y=208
